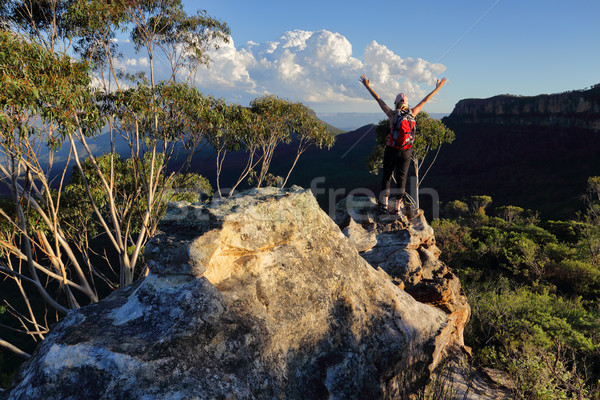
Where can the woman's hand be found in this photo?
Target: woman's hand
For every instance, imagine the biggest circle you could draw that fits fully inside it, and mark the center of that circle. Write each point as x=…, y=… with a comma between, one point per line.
x=439, y=83
x=365, y=81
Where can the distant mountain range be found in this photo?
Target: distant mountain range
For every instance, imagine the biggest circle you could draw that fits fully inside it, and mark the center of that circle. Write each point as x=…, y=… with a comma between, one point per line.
x=577, y=109
x=349, y=121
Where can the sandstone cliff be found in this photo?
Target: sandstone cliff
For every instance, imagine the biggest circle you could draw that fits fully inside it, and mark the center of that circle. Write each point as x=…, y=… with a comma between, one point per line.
x=577, y=109
x=262, y=296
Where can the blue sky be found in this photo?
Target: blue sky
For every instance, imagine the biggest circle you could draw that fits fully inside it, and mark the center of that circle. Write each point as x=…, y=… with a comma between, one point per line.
x=314, y=51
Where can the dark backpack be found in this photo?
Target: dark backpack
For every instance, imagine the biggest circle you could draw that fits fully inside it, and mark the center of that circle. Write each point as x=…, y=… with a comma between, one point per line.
x=402, y=133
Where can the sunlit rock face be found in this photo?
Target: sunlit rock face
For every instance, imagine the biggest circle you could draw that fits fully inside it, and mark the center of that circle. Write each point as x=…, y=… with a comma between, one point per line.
x=256, y=296
x=569, y=110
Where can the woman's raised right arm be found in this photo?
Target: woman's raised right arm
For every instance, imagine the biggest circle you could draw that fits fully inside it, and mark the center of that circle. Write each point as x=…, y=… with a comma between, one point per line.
x=367, y=82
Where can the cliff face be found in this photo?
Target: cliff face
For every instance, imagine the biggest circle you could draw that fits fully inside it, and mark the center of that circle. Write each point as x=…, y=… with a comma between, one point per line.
x=532, y=152
x=576, y=109
x=263, y=296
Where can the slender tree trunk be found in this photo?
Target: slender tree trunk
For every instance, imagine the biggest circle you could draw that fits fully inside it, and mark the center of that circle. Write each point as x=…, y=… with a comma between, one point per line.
x=417, y=183
x=250, y=165
x=299, y=152
x=14, y=349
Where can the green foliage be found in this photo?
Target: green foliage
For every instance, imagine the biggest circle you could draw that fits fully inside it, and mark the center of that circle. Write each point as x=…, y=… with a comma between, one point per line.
x=189, y=187
x=522, y=255
x=565, y=231
x=536, y=233
x=166, y=25
x=43, y=95
x=589, y=245
x=43, y=18
x=456, y=209
x=510, y=214
x=375, y=159
x=534, y=335
x=577, y=276
x=592, y=200
x=478, y=204
x=533, y=289
x=9, y=220
x=456, y=240
x=183, y=39
x=522, y=315
x=259, y=130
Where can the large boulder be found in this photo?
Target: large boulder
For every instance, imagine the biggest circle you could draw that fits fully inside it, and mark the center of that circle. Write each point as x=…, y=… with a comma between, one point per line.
x=256, y=296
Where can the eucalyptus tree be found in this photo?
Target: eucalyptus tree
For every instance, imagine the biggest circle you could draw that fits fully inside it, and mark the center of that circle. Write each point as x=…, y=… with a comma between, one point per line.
x=280, y=121
x=134, y=113
x=45, y=99
x=270, y=130
x=51, y=100
x=157, y=28
x=258, y=130
x=179, y=109
x=151, y=117
x=308, y=131
x=233, y=130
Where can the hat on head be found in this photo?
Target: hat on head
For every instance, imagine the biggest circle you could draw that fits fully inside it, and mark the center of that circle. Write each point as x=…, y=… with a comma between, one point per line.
x=401, y=98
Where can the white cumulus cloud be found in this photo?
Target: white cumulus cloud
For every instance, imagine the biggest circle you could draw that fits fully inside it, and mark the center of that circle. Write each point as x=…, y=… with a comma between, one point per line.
x=228, y=71
x=317, y=68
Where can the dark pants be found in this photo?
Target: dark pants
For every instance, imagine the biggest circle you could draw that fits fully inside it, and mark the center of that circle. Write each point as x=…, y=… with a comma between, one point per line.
x=399, y=160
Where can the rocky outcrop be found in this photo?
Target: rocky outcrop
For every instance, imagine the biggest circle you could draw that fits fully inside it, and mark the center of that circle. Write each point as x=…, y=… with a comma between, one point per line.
x=406, y=250
x=262, y=296
x=570, y=110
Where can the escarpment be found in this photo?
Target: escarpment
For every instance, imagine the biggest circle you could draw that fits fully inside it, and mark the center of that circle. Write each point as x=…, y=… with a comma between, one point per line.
x=263, y=296
x=570, y=110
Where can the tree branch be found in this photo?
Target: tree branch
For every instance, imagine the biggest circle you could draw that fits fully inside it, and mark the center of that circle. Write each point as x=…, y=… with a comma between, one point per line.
x=14, y=349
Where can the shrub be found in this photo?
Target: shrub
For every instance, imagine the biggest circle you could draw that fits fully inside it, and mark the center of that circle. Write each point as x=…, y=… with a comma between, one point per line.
x=455, y=209
x=454, y=238
x=539, y=337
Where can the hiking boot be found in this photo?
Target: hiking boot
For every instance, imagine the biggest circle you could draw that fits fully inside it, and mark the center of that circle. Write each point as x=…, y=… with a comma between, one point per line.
x=398, y=210
x=382, y=207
